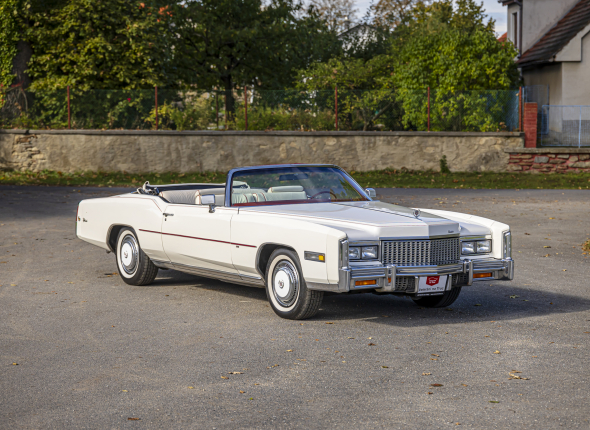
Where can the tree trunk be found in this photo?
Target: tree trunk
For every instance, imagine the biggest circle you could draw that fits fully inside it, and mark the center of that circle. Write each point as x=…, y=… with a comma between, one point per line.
x=230, y=104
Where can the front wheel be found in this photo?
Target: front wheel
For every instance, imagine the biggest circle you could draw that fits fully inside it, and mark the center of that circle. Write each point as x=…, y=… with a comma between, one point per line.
x=135, y=268
x=447, y=299
x=286, y=289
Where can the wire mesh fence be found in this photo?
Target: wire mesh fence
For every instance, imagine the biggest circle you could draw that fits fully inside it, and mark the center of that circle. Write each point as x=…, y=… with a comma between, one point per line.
x=254, y=109
x=565, y=126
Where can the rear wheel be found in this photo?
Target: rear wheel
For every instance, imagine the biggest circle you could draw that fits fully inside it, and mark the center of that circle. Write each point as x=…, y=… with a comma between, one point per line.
x=447, y=299
x=134, y=266
x=286, y=289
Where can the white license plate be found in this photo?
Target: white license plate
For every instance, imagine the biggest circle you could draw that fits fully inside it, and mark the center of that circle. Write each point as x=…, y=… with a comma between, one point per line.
x=432, y=284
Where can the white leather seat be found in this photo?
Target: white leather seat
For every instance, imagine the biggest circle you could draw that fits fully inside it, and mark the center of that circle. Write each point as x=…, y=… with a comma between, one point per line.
x=182, y=197
x=219, y=194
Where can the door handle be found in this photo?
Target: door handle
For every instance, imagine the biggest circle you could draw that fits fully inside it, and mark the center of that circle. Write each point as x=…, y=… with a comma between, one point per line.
x=165, y=214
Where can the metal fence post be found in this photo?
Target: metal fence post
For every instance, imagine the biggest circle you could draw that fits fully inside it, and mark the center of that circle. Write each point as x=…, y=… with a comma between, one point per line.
x=69, y=112
x=156, y=107
x=580, y=130
x=336, y=104
x=246, y=105
x=217, y=110
x=429, y=108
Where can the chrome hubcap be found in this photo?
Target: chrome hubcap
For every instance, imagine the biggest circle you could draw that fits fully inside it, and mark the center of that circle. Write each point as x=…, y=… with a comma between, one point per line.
x=129, y=255
x=285, y=283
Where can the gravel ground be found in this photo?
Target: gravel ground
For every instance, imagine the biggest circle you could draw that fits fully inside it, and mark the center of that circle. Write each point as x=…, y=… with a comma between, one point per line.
x=81, y=349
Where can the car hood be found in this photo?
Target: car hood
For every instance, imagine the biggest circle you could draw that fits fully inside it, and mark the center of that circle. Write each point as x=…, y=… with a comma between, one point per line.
x=369, y=220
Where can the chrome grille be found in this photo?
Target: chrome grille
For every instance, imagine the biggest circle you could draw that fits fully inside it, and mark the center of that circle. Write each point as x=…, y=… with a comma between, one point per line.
x=427, y=252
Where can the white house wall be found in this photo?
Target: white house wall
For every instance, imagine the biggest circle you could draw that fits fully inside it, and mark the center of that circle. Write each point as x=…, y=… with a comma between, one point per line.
x=539, y=16
x=576, y=78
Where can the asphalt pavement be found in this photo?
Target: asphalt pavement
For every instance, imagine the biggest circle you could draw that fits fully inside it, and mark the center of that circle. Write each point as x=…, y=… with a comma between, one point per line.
x=81, y=349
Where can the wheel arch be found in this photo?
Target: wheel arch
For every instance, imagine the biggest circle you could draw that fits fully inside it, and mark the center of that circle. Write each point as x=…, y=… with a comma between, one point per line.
x=113, y=234
x=263, y=255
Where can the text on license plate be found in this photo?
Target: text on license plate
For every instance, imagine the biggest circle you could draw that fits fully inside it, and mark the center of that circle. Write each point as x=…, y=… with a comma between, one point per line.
x=432, y=284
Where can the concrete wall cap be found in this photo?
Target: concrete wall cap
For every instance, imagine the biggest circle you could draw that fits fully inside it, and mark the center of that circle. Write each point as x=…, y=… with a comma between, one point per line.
x=268, y=133
x=547, y=150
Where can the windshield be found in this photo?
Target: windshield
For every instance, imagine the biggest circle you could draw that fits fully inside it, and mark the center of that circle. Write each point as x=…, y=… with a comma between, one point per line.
x=293, y=185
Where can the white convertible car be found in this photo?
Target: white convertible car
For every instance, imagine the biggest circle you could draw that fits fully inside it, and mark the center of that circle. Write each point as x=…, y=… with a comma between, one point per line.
x=296, y=230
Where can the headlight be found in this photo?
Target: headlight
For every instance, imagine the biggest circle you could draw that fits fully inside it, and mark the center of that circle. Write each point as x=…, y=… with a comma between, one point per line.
x=476, y=247
x=484, y=246
x=370, y=252
x=354, y=253
x=467, y=247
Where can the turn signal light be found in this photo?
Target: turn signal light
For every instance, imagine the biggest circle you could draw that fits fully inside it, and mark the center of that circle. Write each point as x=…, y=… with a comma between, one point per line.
x=361, y=283
x=482, y=275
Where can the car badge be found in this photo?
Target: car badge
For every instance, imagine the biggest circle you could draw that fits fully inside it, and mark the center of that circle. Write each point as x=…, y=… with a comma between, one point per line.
x=416, y=213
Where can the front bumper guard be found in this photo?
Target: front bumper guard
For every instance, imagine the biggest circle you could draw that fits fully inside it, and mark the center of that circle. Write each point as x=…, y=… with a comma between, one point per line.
x=386, y=275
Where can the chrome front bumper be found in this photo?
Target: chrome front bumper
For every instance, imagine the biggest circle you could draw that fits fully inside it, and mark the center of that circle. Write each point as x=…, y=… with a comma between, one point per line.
x=386, y=275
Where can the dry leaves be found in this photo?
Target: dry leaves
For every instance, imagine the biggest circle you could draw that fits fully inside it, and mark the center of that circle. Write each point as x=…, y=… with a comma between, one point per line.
x=235, y=373
x=497, y=352
x=514, y=376
x=224, y=377
x=436, y=385
x=372, y=344
x=133, y=419
x=426, y=374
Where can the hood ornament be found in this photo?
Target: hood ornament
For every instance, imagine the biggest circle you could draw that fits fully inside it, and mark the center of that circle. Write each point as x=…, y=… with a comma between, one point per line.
x=416, y=213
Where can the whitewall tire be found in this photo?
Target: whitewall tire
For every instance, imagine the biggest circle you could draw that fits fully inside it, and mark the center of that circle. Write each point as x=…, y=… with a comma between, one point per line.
x=135, y=268
x=286, y=288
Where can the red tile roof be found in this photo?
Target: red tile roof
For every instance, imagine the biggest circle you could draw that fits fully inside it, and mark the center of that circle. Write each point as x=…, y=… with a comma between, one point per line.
x=555, y=39
x=503, y=38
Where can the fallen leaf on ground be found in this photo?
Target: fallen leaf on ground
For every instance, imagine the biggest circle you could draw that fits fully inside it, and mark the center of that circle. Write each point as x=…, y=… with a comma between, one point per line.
x=385, y=367
x=372, y=344
x=430, y=392
x=514, y=296
x=224, y=377
x=513, y=376
x=436, y=385
x=497, y=352
x=494, y=401
x=546, y=246
x=133, y=419
x=191, y=388
x=426, y=374
x=15, y=364
x=235, y=373
x=289, y=350
x=465, y=385
x=435, y=355
x=242, y=392
x=329, y=323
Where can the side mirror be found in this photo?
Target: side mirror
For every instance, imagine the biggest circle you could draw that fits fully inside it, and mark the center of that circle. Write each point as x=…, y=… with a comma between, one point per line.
x=209, y=199
x=371, y=192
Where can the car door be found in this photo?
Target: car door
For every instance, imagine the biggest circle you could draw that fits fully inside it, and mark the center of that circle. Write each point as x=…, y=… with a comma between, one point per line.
x=195, y=238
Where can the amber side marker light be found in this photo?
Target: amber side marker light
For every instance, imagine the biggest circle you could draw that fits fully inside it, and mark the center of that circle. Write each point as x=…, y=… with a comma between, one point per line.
x=482, y=275
x=361, y=283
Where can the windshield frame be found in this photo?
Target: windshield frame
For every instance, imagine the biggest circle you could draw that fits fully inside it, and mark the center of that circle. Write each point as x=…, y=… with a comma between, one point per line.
x=231, y=173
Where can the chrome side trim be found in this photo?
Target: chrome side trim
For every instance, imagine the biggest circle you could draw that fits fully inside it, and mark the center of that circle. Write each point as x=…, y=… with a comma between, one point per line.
x=443, y=236
x=163, y=264
x=322, y=287
x=218, y=274
x=484, y=237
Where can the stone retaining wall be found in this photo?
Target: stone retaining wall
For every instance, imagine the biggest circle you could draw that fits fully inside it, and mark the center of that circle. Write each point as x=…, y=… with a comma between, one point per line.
x=194, y=151
x=549, y=160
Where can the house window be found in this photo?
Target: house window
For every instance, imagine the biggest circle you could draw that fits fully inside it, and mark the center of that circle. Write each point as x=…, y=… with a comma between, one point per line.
x=515, y=30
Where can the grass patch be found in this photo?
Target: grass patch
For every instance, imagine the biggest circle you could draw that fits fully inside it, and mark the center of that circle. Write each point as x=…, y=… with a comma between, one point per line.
x=374, y=179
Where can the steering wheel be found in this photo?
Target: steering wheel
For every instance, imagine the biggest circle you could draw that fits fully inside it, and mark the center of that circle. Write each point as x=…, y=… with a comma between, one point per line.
x=324, y=192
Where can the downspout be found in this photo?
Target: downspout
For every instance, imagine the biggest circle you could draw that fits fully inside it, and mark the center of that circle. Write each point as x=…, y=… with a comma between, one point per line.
x=519, y=4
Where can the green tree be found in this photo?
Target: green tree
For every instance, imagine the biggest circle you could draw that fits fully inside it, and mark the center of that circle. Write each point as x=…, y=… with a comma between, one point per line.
x=106, y=44
x=364, y=91
x=455, y=52
x=230, y=43
x=9, y=35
